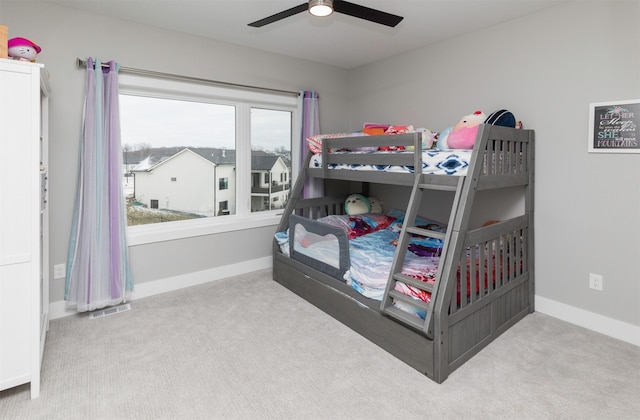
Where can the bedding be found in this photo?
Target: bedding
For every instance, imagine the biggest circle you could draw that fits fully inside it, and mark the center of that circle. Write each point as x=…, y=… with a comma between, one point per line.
x=371, y=250
x=371, y=259
x=434, y=162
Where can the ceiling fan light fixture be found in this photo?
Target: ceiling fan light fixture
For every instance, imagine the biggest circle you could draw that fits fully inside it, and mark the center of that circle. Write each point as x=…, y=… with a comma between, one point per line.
x=321, y=7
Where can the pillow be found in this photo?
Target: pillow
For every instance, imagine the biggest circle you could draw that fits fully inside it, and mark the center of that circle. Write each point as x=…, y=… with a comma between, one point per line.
x=374, y=128
x=501, y=117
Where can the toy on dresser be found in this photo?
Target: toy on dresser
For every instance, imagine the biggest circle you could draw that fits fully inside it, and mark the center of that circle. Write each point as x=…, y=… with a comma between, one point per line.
x=23, y=49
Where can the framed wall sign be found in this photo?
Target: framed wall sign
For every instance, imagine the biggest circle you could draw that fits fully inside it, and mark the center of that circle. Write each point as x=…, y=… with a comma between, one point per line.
x=613, y=127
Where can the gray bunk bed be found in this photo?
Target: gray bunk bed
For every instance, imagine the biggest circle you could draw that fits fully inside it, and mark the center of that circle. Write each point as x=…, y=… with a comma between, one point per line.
x=499, y=256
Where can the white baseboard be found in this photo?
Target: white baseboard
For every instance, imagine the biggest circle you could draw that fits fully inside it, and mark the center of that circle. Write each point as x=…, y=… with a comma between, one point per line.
x=589, y=320
x=151, y=288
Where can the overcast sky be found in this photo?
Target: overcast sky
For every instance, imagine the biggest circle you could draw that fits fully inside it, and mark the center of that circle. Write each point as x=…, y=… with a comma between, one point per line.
x=166, y=123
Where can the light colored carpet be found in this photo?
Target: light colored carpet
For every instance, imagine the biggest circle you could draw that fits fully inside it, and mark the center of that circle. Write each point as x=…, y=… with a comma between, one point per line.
x=247, y=348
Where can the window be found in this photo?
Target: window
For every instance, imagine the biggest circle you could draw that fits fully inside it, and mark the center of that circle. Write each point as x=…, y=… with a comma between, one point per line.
x=223, y=208
x=271, y=156
x=207, y=136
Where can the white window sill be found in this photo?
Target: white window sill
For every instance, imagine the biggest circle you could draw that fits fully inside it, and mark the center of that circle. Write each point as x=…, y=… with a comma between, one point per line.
x=169, y=231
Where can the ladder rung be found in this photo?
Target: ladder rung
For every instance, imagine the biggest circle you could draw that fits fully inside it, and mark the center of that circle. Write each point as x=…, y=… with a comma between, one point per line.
x=425, y=232
x=405, y=317
x=437, y=187
x=418, y=284
x=410, y=300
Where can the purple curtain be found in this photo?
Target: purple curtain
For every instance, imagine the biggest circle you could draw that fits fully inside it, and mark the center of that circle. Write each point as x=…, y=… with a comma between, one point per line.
x=310, y=126
x=98, y=272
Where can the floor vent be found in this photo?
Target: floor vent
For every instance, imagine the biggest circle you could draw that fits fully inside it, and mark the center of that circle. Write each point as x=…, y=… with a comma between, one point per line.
x=110, y=311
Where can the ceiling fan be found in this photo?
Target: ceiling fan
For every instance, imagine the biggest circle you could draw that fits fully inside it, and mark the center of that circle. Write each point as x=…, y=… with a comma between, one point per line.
x=326, y=7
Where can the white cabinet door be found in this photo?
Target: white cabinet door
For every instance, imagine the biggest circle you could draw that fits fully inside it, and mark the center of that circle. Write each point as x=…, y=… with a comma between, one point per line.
x=20, y=249
x=16, y=171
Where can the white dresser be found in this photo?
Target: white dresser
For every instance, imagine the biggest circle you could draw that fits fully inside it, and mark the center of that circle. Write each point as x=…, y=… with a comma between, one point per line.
x=24, y=222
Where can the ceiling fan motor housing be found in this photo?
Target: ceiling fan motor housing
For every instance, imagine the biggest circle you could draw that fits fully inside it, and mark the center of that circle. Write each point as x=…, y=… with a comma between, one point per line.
x=321, y=7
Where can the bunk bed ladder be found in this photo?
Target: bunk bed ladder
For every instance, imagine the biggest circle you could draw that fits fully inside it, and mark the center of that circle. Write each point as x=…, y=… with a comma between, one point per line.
x=422, y=185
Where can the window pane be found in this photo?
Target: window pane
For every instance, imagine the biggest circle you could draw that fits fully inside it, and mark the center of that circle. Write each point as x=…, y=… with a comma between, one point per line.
x=176, y=153
x=270, y=159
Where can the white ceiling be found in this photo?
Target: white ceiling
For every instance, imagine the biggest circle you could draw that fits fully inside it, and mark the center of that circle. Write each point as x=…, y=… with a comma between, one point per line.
x=337, y=40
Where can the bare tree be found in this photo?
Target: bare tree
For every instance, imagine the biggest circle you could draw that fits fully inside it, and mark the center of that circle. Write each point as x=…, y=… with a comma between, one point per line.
x=126, y=150
x=142, y=150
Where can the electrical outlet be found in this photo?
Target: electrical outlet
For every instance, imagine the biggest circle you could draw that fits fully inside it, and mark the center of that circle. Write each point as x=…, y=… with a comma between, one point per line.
x=595, y=281
x=59, y=271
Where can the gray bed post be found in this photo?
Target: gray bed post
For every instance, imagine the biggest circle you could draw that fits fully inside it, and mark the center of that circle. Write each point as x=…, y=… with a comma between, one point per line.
x=529, y=209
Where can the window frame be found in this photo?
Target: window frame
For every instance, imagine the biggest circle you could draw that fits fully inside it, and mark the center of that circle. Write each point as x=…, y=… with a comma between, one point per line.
x=243, y=100
x=223, y=183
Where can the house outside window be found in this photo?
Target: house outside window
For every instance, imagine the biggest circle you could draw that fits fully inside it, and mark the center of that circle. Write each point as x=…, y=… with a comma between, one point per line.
x=206, y=136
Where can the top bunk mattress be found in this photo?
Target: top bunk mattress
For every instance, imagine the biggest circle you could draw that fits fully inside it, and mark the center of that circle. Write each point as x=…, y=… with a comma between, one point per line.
x=434, y=162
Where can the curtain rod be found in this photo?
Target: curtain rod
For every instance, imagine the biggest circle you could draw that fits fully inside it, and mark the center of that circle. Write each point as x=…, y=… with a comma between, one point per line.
x=83, y=63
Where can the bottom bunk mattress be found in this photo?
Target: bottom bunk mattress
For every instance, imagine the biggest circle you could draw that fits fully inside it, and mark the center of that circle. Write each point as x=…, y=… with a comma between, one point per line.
x=371, y=249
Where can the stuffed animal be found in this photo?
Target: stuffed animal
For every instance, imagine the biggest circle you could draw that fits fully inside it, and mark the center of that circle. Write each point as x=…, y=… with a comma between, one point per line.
x=463, y=134
x=375, y=204
x=356, y=204
x=23, y=49
x=428, y=138
x=442, y=139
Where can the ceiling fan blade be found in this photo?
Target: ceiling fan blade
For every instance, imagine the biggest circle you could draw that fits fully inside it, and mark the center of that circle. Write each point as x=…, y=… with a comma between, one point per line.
x=366, y=13
x=278, y=16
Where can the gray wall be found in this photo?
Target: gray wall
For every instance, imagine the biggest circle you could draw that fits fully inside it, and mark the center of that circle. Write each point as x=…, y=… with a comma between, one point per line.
x=65, y=34
x=546, y=68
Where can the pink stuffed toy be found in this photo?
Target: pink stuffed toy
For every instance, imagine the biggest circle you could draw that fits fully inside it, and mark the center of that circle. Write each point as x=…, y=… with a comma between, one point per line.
x=23, y=49
x=463, y=134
